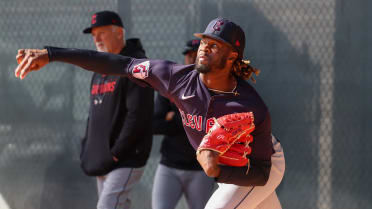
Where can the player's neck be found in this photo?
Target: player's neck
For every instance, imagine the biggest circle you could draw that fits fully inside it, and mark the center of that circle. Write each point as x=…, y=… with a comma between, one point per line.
x=220, y=82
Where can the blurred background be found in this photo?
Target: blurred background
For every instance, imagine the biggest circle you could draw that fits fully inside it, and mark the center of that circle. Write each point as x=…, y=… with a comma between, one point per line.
x=316, y=78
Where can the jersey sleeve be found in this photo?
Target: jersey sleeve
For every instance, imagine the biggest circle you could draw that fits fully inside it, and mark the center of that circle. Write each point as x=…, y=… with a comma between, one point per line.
x=257, y=175
x=155, y=73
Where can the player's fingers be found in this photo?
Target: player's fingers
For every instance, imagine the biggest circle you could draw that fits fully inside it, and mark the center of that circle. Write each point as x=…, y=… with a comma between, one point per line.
x=19, y=58
x=21, y=52
x=20, y=55
x=20, y=66
x=27, y=67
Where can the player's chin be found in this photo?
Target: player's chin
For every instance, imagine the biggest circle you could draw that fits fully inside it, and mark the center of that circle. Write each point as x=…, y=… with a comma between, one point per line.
x=202, y=68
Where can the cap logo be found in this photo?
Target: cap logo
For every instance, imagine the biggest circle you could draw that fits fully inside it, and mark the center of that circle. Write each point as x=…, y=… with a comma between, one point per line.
x=94, y=19
x=113, y=21
x=217, y=25
x=237, y=43
x=195, y=42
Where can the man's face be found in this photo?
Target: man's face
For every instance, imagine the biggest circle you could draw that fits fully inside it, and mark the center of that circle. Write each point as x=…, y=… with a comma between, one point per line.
x=190, y=57
x=107, y=38
x=211, y=55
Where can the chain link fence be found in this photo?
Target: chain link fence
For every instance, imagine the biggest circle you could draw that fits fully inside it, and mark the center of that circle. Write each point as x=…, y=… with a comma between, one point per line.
x=315, y=61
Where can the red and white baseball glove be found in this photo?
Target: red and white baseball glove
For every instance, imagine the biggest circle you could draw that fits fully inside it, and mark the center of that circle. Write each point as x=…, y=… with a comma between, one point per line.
x=230, y=137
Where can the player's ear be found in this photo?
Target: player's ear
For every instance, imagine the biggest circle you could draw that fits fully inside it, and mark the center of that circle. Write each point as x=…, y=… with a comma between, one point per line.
x=122, y=33
x=119, y=31
x=232, y=56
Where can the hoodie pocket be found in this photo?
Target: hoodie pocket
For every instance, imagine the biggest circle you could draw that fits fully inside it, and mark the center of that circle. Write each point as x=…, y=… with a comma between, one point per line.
x=96, y=158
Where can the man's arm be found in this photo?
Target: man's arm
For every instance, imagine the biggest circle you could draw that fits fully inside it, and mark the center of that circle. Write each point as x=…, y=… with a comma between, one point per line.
x=84, y=139
x=257, y=174
x=156, y=73
x=164, y=122
x=100, y=62
x=140, y=104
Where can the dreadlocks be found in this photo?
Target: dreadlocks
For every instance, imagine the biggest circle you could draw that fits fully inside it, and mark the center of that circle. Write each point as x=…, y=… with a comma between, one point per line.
x=243, y=69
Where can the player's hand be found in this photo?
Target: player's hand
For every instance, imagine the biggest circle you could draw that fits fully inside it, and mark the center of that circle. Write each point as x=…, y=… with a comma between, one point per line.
x=30, y=60
x=169, y=115
x=208, y=160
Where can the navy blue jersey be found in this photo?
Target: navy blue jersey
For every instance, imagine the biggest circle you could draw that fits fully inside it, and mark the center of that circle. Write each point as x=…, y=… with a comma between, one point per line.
x=181, y=84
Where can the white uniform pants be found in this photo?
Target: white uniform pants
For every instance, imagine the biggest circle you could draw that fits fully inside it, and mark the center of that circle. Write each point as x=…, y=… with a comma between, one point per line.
x=171, y=183
x=114, y=188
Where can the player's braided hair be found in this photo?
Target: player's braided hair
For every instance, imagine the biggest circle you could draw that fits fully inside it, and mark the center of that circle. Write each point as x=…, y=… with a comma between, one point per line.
x=243, y=69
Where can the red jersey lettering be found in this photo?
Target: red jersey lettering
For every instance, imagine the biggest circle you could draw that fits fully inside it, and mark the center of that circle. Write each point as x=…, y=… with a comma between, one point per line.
x=190, y=121
x=210, y=123
x=103, y=88
x=198, y=122
x=183, y=117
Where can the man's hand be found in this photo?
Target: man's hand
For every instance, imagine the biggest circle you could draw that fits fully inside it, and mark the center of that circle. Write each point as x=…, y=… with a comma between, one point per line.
x=30, y=60
x=208, y=160
x=169, y=115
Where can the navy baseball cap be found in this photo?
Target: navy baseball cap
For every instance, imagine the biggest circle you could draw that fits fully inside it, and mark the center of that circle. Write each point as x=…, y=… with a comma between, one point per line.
x=191, y=45
x=104, y=18
x=226, y=31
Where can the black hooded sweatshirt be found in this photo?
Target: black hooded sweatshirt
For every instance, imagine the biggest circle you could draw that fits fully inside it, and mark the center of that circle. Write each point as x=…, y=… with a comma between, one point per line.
x=119, y=122
x=176, y=150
